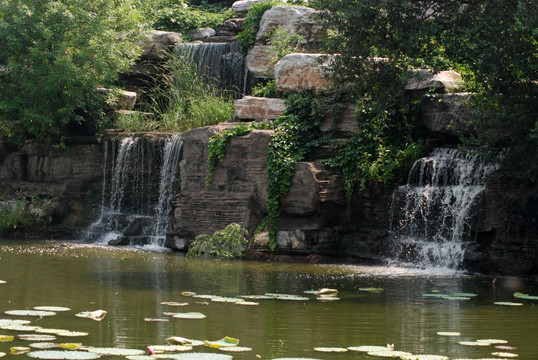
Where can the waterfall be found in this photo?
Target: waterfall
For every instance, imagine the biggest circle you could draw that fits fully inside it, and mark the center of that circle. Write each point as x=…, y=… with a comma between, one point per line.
x=139, y=180
x=167, y=186
x=222, y=62
x=434, y=215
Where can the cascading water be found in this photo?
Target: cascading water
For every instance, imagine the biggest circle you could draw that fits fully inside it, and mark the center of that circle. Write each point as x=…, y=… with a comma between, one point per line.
x=433, y=216
x=140, y=178
x=222, y=62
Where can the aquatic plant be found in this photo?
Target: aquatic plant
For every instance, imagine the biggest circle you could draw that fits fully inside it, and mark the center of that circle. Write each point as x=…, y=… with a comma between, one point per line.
x=224, y=244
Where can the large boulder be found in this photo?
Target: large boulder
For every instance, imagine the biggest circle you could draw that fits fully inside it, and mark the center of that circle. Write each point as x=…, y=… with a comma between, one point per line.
x=422, y=79
x=257, y=108
x=156, y=46
x=295, y=19
x=243, y=6
x=299, y=72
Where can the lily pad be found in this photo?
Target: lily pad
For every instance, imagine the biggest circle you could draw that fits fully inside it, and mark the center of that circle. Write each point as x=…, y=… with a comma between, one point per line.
x=507, y=303
x=96, y=315
x=235, y=348
x=2, y=354
x=140, y=357
x=247, y=303
x=331, y=349
x=188, y=293
x=474, y=343
x=16, y=327
x=62, y=354
x=61, y=332
x=225, y=341
x=424, y=357
x=173, y=303
x=256, y=297
x=115, y=351
x=452, y=297
x=18, y=350
x=434, y=295
x=204, y=356
x=44, y=345
x=156, y=320
x=505, y=354
x=37, y=337
x=295, y=359
x=178, y=340
x=189, y=315
x=372, y=290
x=226, y=299
x=520, y=295
x=448, y=333
x=3, y=281
x=6, y=338
x=70, y=346
x=52, y=308
x=493, y=341
x=367, y=348
x=14, y=322
x=326, y=291
x=389, y=353
x=157, y=349
x=328, y=298
x=288, y=297
x=39, y=313
x=464, y=294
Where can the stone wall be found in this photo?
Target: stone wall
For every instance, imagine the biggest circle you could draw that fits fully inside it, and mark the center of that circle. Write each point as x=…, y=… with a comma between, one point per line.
x=70, y=179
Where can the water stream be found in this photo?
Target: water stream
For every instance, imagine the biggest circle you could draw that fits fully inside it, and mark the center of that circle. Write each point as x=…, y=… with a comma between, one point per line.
x=434, y=216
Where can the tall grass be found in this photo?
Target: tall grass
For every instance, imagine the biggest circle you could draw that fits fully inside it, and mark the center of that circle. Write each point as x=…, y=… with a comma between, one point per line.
x=186, y=99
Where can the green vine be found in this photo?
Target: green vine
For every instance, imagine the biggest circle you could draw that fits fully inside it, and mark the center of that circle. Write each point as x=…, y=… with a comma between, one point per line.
x=251, y=25
x=217, y=144
x=296, y=136
x=383, y=149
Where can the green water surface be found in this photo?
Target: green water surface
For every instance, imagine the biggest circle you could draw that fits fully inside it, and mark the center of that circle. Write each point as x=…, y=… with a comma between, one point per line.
x=132, y=284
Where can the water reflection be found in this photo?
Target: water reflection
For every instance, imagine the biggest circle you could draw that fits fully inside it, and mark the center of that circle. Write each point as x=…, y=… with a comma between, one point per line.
x=132, y=285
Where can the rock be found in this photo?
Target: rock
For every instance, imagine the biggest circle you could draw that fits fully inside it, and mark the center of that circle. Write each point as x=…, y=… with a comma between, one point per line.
x=201, y=34
x=231, y=27
x=283, y=240
x=422, y=79
x=299, y=72
x=260, y=62
x=256, y=108
x=295, y=19
x=237, y=192
x=125, y=100
x=243, y=6
x=340, y=121
x=262, y=239
x=158, y=43
x=448, y=113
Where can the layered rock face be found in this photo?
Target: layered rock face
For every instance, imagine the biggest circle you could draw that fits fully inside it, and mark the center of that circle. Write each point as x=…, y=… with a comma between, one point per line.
x=69, y=179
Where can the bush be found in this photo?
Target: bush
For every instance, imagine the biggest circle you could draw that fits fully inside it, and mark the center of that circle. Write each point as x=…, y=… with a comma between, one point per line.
x=22, y=213
x=228, y=243
x=54, y=56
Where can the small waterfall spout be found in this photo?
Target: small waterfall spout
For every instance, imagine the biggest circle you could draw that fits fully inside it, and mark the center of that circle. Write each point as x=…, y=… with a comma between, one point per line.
x=139, y=179
x=434, y=215
x=220, y=62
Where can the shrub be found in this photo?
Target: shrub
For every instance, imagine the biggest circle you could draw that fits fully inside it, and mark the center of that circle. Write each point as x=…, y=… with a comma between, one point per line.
x=55, y=53
x=22, y=213
x=227, y=243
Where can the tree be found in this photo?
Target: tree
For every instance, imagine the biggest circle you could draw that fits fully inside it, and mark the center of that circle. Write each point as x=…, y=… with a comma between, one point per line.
x=492, y=42
x=55, y=54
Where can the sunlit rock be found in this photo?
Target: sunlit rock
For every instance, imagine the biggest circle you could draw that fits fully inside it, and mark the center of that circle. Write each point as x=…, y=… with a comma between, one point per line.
x=257, y=108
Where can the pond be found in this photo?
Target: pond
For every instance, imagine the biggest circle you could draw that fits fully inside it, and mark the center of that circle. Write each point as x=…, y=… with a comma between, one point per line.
x=138, y=287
